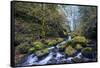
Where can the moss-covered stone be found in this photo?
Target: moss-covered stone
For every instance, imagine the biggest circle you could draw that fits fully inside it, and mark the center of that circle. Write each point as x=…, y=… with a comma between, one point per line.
x=31, y=50
x=79, y=39
x=42, y=52
x=37, y=45
x=69, y=51
x=77, y=60
x=87, y=52
x=59, y=39
x=78, y=47
x=52, y=42
x=73, y=34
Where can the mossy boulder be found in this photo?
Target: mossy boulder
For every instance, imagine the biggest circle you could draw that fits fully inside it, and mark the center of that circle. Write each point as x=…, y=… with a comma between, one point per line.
x=79, y=40
x=31, y=50
x=78, y=47
x=38, y=45
x=69, y=51
x=42, y=52
x=87, y=52
x=51, y=42
x=59, y=39
x=77, y=60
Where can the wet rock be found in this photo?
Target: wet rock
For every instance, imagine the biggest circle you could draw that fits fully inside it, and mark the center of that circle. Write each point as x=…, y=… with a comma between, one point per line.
x=77, y=60
x=41, y=53
x=88, y=52
x=69, y=51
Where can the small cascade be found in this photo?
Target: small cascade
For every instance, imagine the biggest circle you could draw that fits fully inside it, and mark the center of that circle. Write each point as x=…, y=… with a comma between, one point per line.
x=31, y=59
x=79, y=55
x=45, y=61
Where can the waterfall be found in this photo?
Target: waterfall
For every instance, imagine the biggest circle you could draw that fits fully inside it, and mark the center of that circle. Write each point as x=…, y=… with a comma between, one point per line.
x=72, y=16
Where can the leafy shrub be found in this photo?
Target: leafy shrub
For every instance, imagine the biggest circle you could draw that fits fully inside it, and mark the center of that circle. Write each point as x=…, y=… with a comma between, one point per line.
x=69, y=51
x=21, y=38
x=23, y=48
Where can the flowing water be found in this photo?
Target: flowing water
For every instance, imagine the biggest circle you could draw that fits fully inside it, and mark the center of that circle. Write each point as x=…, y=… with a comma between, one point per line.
x=52, y=58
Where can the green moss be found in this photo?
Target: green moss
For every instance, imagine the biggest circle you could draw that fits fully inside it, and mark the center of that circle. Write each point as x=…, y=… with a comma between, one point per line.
x=73, y=34
x=69, y=51
x=78, y=47
x=42, y=52
x=87, y=52
x=50, y=42
x=59, y=39
x=31, y=50
x=37, y=45
x=62, y=47
x=79, y=39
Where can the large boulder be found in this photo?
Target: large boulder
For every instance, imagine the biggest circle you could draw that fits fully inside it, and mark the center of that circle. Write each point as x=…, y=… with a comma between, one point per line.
x=70, y=51
x=87, y=52
x=80, y=40
x=37, y=45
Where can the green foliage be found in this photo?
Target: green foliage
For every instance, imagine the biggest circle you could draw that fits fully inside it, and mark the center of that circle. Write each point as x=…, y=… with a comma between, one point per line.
x=88, y=22
x=69, y=51
x=23, y=48
x=38, y=19
x=42, y=52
